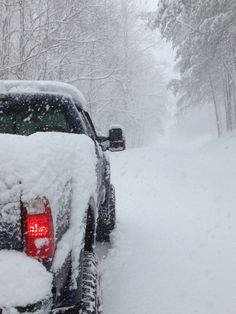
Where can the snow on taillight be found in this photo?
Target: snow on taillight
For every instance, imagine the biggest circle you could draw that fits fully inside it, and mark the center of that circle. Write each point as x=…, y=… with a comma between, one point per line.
x=38, y=231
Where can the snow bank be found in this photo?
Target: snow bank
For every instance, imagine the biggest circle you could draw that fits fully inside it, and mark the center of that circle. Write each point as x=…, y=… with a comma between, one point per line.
x=23, y=280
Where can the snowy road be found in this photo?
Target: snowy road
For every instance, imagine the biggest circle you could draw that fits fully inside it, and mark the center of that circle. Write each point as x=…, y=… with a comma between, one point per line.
x=174, y=250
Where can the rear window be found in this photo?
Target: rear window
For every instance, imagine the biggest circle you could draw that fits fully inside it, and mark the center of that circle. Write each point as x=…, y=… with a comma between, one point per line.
x=25, y=117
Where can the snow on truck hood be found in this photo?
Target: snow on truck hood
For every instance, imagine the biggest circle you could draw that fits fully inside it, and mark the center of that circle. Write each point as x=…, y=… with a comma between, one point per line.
x=23, y=280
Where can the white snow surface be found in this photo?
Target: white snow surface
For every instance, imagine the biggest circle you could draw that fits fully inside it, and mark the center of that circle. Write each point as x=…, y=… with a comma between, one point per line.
x=60, y=88
x=174, y=249
x=117, y=126
x=23, y=280
x=52, y=165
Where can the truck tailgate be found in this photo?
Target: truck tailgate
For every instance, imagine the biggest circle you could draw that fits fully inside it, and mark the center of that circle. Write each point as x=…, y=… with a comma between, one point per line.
x=10, y=213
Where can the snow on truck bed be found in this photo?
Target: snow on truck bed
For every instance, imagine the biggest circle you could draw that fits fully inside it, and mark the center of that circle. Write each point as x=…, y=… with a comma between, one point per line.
x=45, y=164
x=41, y=165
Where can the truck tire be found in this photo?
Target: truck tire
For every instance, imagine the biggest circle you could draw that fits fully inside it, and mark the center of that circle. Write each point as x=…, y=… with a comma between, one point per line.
x=112, y=208
x=90, y=289
x=107, y=216
x=91, y=299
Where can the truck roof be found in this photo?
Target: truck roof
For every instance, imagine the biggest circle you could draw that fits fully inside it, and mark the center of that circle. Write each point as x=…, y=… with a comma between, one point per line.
x=49, y=87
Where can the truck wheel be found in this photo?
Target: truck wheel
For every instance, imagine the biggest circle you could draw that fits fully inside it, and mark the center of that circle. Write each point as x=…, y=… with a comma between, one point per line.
x=91, y=300
x=91, y=295
x=107, y=216
x=112, y=208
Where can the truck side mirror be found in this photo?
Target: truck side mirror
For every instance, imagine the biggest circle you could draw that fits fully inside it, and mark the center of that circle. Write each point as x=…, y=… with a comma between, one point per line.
x=117, y=139
x=103, y=142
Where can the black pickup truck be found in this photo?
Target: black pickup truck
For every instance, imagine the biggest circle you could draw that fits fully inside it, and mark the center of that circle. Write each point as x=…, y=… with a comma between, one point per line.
x=40, y=223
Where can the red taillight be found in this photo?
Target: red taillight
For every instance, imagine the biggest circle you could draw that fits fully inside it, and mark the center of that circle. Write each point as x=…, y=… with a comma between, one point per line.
x=38, y=231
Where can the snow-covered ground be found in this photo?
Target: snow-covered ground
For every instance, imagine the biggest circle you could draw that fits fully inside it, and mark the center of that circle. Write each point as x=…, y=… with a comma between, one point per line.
x=174, y=250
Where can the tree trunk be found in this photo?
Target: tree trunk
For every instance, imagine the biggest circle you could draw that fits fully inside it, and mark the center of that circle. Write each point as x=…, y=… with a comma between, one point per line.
x=4, y=73
x=20, y=72
x=215, y=107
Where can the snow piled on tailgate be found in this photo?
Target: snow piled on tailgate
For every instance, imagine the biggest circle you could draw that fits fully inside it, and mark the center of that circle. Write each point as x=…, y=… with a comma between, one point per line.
x=51, y=165
x=23, y=280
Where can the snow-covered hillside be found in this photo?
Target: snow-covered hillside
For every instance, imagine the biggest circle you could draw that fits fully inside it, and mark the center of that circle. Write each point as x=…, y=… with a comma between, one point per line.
x=174, y=250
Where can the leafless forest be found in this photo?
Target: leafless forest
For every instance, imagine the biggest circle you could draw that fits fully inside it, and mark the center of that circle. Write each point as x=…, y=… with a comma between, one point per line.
x=103, y=47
